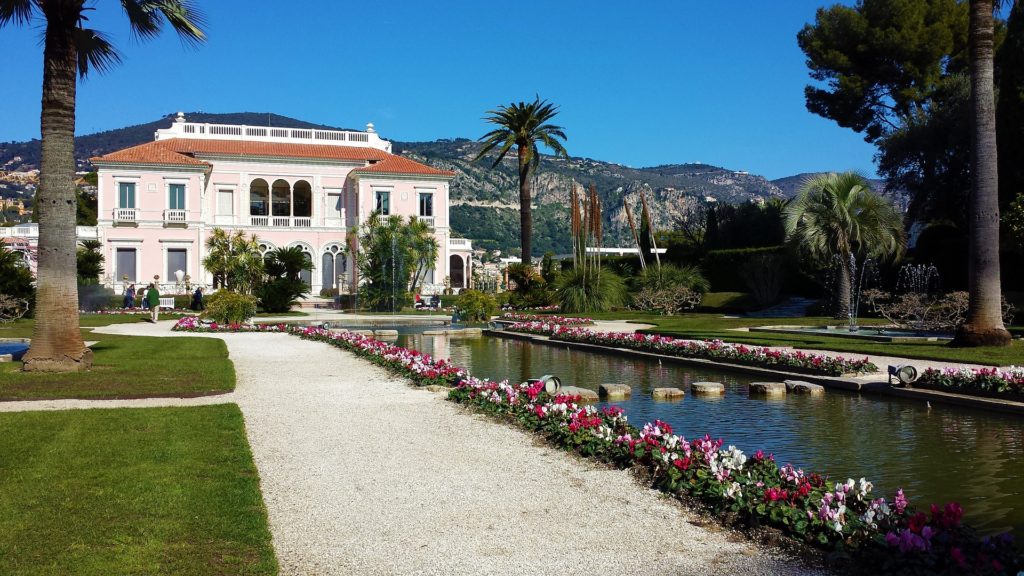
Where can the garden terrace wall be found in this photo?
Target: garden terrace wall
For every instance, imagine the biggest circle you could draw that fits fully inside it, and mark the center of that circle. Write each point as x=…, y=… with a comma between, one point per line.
x=740, y=354
x=828, y=381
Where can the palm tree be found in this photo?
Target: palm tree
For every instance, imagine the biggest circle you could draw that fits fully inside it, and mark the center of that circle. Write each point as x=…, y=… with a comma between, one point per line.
x=234, y=260
x=523, y=125
x=984, y=323
x=425, y=249
x=838, y=216
x=292, y=261
x=70, y=49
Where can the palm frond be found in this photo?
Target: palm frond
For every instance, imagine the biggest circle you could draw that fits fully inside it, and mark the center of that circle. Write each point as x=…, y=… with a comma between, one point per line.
x=839, y=214
x=18, y=12
x=146, y=19
x=95, y=52
x=523, y=124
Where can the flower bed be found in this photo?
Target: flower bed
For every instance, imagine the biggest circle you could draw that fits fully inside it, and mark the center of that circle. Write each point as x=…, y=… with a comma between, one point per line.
x=992, y=382
x=755, y=491
x=793, y=361
x=194, y=324
x=559, y=320
x=420, y=368
x=844, y=517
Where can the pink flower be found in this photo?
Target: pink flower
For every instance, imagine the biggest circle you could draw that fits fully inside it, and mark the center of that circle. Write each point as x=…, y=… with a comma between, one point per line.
x=900, y=502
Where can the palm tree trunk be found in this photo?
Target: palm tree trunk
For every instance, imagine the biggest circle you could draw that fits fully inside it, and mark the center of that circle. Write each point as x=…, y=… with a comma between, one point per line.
x=525, y=199
x=843, y=290
x=984, y=324
x=57, y=344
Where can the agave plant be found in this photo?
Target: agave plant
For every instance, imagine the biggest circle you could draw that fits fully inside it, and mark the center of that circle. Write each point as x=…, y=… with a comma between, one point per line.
x=579, y=291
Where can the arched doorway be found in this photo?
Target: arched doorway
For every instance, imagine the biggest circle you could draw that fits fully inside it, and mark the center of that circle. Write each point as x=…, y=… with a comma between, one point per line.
x=457, y=271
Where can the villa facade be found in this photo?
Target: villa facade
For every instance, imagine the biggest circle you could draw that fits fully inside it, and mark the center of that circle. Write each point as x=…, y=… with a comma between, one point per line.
x=159, y=202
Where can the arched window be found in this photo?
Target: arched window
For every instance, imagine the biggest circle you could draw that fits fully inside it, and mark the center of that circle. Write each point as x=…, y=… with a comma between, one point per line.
x=333, y=264
x=259, y=197
x=302, y=196
x=280, y=199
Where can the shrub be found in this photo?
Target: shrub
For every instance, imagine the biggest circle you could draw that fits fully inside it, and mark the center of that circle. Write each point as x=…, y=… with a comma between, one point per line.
x=921, y=311
x=668, y=301
x=579, y=292
x=15, y=277
x=227, y=307
x=722, y=266
x=529, y=289
x=763, y=275
x=12, y=308
x=278, y=294
x=669, y=276
x=476, y=306
x=92, y=296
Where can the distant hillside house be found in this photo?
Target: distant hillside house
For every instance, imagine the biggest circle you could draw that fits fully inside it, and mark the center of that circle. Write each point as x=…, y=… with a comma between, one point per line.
x=158, y=202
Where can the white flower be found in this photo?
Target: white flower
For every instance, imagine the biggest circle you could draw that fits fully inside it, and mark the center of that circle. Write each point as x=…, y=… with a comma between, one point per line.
x=734, y=491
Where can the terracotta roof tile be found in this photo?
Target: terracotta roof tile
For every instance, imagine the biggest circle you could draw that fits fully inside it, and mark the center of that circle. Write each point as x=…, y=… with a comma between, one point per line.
x=274, y=149
x=149, y=153
x=399, y=165
x=183, y=151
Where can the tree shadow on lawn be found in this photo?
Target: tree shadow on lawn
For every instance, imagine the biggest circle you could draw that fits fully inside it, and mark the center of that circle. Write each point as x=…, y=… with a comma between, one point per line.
x=126, y=367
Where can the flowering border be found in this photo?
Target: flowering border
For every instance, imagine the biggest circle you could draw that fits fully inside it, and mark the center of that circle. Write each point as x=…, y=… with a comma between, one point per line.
x=421, y=368
x=759, y=356
x=888, y=535
x=194, y=324
x=560, y=320
x=999, y=383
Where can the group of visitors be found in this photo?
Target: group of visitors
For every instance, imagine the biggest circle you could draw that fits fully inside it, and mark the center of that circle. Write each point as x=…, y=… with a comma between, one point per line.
x=150, y=299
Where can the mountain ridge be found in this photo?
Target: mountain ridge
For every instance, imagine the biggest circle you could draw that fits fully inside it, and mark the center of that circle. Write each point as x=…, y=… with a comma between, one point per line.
x=485, y=199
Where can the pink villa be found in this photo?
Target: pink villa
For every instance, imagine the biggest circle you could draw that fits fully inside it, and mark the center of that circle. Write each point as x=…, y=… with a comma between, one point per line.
x=158, y=202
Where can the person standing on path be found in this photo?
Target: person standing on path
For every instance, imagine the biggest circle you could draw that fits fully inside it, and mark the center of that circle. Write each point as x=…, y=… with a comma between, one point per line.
x=153, y=299
x=129, y=297
x=197, y=300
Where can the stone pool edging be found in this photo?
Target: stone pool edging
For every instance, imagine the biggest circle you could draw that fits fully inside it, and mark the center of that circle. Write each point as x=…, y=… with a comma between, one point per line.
x=832, y=382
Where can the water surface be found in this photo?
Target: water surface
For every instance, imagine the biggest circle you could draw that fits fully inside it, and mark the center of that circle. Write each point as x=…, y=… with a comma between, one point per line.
x=938, y=455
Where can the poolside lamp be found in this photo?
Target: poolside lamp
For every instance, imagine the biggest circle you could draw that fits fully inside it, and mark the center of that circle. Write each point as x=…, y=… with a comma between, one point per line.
x=552, y=383
x=904, y=373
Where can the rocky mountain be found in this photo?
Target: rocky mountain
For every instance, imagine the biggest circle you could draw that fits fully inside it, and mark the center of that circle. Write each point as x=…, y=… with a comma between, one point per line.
x=486, y=200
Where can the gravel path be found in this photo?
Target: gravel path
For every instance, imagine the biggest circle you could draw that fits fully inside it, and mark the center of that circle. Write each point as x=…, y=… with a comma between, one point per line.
x=363, y=474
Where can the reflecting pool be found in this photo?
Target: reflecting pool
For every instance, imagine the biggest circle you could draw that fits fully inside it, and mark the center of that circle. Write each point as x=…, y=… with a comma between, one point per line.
x=937, y=455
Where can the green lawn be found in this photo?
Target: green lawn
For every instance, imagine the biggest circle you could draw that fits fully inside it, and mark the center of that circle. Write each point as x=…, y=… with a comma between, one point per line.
x=125, y=367
x=130, y=491
x=710, y=326
x=275, y=314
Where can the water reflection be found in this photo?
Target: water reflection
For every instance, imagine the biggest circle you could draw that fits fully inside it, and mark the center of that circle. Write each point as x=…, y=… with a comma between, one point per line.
x=937, y=455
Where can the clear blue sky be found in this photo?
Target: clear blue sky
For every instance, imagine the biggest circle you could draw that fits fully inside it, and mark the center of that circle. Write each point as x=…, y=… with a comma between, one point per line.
x=638, y=83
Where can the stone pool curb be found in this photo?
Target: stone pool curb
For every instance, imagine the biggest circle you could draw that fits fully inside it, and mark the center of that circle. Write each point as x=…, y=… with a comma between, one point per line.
x=879, y=387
